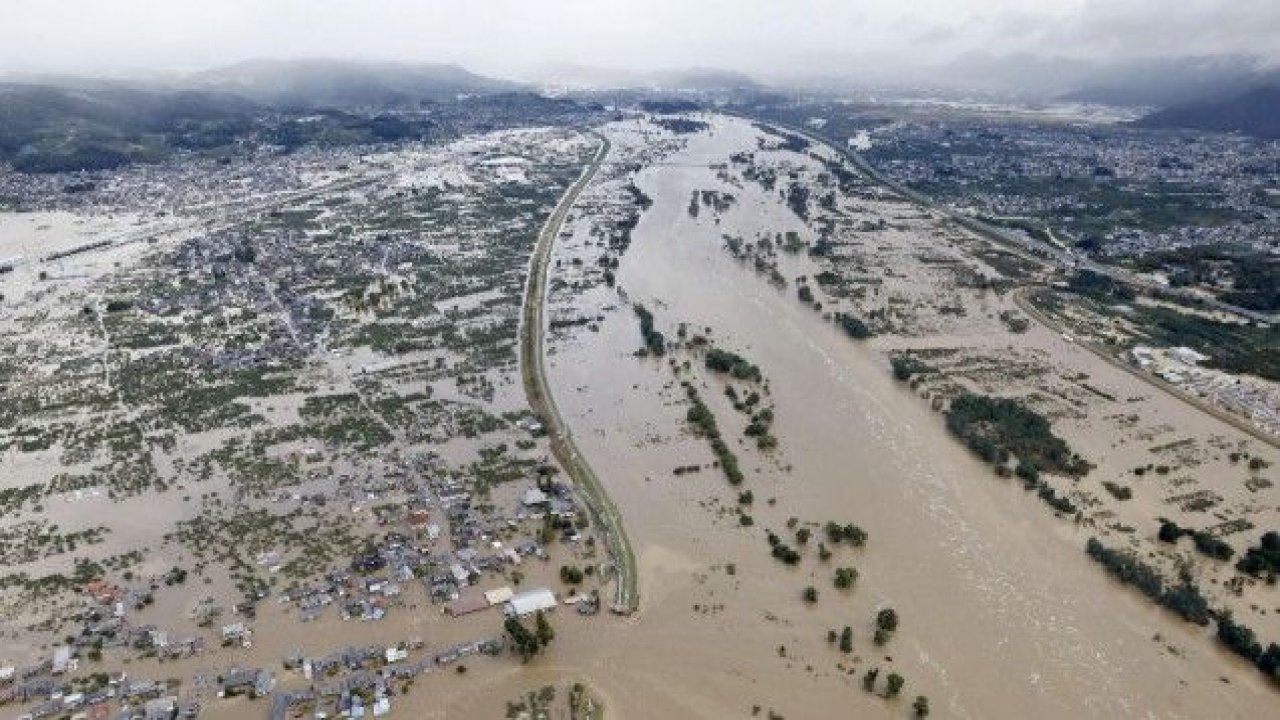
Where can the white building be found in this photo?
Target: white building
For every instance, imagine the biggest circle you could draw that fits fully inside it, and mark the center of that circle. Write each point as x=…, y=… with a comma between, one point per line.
x=1143, y=356
x=1187, y=356
x=530, y=602
x=62, y=661
x=497, y=596
x=533, y=497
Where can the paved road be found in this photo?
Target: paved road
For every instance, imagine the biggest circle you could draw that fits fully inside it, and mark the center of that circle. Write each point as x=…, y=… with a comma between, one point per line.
x=533, y=372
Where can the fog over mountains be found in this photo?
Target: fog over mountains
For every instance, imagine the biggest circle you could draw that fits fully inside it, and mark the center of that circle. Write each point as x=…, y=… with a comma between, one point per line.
x=51, y=122
x=338, y=83
x=60, y=123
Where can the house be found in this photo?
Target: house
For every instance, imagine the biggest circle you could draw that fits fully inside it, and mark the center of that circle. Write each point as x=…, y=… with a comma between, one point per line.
x=102, y=592
x=1187, y=356
x=497, y=596
x=467, y=603
x=395, y=655
x=163, y=708
x=254, y=682
x=141, y=689
x=1143, y=356
x=62, y=661
x=235, y=632
x=530, y=602
x=460, y=574
x=534, y=498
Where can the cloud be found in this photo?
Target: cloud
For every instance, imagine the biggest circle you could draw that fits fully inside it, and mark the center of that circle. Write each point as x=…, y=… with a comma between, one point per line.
x=1148, y=28
x=759, y=36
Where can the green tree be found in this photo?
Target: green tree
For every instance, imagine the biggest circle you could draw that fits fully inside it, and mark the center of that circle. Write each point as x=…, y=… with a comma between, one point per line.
x=869, y=679
x=811, y=594
x=895, y=685
x=523, y=642
x=887, y=619
x=921, y=706
x=845, y=577
x=543, y=630
x=846, y=640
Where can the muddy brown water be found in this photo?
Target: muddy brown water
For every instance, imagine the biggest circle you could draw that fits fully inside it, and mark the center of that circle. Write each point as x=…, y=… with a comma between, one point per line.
x=1002, y=613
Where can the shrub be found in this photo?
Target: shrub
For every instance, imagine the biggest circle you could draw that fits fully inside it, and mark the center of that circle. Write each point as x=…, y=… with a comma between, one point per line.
x=1263, y=559
x=904, y=367
x=850, y=533
x=894, y=685
x=724, y=361
x=853, y=327
x=994, y=428
x=654, y=341
x=1211, y=546
x=846, y=640
x=1184, y=599
x=887, y=619
x=845, y=578
x=1169, y=532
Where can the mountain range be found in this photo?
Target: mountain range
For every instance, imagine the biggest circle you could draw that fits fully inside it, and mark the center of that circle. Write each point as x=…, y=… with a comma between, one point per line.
x=342, y=83
x=1253, y=112
x=54, y=124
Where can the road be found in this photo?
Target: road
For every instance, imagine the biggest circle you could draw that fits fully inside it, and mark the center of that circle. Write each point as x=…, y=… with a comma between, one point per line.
x=604, y=514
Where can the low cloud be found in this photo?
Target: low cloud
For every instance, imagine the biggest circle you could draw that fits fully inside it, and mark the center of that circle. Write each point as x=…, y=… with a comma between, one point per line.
x=757, y=36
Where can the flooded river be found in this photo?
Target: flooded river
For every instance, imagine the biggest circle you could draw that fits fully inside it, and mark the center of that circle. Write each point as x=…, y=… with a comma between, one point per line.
x=1002, y=613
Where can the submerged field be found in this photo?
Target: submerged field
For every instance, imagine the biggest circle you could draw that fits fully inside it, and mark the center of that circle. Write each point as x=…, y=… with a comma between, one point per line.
x=859, y=477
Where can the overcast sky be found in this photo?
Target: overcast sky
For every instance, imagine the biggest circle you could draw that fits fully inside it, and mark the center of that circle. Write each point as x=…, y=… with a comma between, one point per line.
x=504, y=36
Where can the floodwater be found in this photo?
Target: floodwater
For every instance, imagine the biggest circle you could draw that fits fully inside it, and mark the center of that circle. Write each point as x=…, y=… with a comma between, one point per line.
x=1002, y=614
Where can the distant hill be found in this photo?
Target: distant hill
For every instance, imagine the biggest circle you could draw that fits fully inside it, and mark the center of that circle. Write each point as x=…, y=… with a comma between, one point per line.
x=1164, y=82
x=86, y=125
x=705, y=80
x=345, y=84
x=49, y=129
x=1254, y=112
